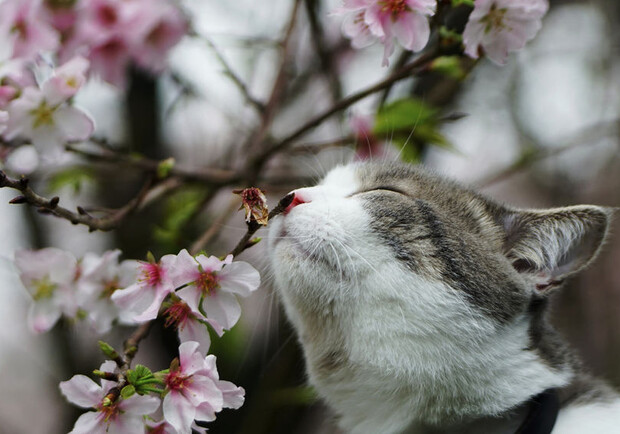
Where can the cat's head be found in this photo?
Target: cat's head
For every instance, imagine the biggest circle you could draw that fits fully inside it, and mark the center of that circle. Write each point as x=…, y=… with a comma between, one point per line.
x=422, y=294
x=448, y=256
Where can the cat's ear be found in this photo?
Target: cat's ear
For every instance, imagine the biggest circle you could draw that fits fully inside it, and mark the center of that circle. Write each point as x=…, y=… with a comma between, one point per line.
x=550, y=245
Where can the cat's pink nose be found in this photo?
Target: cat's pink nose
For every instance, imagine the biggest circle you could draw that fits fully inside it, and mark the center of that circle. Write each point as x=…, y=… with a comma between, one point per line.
x=297, y=200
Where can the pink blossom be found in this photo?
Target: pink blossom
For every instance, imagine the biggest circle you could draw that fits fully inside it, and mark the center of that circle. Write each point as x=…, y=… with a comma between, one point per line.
x=101, y=276
x=112, y=413
x=212, y=285
x=48, y=275
x=37, y=115
x=190, y=325
x=502, y=26
x=111, y=60
x=159, y=27
x=143, y=299
x=191, y=393
x=387, y=20
x=23, y=23
x=66, y=79
x=102, y=31
x=61, y=15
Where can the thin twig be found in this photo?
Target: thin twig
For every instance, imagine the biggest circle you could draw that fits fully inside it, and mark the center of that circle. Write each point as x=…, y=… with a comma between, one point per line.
x=131, y=344
x=228, y=70
x=211, y=176
x=279, y=84
x=589, y=135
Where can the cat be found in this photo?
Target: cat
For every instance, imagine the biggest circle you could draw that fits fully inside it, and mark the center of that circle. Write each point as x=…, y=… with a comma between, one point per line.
x=421, y=305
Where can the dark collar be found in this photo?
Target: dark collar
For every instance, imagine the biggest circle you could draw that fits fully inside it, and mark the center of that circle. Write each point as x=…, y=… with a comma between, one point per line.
x=542, y=414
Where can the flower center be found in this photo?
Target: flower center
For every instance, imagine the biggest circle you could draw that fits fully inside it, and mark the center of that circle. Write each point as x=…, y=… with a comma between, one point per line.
x=207, y=282
x=21, y=28
x=60, y=4
x=43, y=115
x=107, y=15
x=109, y=287
x=494, y=19
x=175, y=380
x=395, y=7
x=152, y=274
x=157, y=36
x=108, y=410
x=43, y=288
x=177, y=315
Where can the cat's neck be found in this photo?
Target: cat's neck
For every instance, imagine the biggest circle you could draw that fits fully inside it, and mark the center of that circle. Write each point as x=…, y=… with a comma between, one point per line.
x=430, y=378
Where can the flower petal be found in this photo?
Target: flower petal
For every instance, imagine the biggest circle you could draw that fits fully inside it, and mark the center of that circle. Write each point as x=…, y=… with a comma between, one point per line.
x=74, y=123
x=178, y=411
x=82, y=391
x=194, y=330
x=239, y=278
x=140, y=405
x=89, y=423
x=223, y=308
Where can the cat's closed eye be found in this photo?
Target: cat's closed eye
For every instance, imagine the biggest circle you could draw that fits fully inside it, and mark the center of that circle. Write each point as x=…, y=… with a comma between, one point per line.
x=381, y=188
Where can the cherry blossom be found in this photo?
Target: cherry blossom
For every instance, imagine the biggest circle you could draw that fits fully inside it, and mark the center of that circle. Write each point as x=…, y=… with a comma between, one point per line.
x=66, y=79
x=190, y=325
x=113, y=33
x=212, y=285
x=191, y=394
x=112, y=414
x=501, y=26
x=48, y=275
x=159, y=28
x=23, y=24
x=405, y=21
x=39, y=116
x=101, y=276
x=143, y=298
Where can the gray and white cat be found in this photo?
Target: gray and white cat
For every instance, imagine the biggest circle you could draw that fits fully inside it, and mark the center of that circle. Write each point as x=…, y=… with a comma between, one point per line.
x=420, y=304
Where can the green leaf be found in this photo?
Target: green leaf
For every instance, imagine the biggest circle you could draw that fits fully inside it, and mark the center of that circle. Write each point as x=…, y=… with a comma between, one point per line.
x=449, y=66
x=73, y=177
x=164, y=167
x=142, y=371
x=410, y=125
x=128, y=391
x=404, y=114
x=108, y=350
x=178, y=209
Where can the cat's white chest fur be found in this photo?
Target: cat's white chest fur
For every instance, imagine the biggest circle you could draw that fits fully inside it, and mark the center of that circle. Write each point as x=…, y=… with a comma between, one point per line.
x=398, y=328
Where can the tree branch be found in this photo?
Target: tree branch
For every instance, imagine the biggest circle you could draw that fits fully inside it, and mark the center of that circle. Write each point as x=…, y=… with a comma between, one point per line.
x=407, y=71
x=50, y=206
